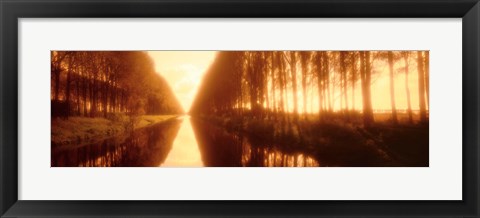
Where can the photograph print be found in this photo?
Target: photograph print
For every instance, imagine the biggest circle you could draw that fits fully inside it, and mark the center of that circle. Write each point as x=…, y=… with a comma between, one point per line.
x=282, y=108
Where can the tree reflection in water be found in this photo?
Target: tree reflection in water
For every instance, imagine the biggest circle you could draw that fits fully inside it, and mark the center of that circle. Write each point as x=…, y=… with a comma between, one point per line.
x=145, y=147
x=150, y=146
x=222, y=149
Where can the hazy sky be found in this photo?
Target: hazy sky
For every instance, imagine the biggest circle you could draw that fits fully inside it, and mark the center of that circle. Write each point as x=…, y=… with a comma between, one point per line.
x=183, y=70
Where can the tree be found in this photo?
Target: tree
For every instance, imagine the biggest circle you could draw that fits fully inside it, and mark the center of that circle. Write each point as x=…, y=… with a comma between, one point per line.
x=427, y=75
x=98, y=83
x=421, y=87
x=293, y=74
x=353, y=73
x=266, y=83
x=365, y=76
x=343, y=73
x=56, y=69
x=392, y=88
x=406, y=57
x=304, y=57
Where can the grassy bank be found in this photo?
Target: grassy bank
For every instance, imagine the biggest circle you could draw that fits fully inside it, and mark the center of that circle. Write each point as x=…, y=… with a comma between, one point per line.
x=337, y=142
x=78, y=130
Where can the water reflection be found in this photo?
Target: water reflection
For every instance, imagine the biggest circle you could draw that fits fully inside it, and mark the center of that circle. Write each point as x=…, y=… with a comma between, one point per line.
x=142, y=148
x=185, y=151
x=223, y=149
x=182, y=142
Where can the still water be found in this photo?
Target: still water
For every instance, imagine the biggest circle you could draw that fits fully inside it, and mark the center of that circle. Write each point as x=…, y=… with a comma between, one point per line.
x=181, y=142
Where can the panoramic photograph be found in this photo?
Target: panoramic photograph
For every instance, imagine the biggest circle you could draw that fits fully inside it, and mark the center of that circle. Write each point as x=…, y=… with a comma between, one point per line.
x=358, y=108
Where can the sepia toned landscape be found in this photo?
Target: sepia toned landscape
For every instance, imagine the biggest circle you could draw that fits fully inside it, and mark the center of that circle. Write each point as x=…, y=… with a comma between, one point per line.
x=239, y=108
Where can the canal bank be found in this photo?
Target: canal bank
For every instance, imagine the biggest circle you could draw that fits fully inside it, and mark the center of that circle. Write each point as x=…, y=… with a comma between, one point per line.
x=81, y=130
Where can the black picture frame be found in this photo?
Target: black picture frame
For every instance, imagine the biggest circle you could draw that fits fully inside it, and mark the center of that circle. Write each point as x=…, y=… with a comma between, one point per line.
x=11, y=11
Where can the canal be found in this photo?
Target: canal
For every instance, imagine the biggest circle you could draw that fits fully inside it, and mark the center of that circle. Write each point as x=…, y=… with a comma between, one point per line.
x=180, y=142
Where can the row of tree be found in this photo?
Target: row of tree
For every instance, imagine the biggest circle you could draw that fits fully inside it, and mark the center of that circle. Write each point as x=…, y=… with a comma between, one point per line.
x=96, y=83
x=267, y=84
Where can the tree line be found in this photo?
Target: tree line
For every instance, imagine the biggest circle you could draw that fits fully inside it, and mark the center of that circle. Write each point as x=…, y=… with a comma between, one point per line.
x=284, y=84
x=97, y=83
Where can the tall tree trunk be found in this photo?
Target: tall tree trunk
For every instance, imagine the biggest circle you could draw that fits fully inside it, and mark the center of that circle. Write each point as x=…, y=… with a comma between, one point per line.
x=95, y=96
x=253, y=92
x=281, y=74
x=94, y=93
x=262, y=82
x=274, y=103
x=392, y=88
x=67, y=86
x=324, y=74
x=77, y=86
x=84, y=86
x=56, y=73
x=56, y=70
x=427, y=77
x=304, y=57
x=368, y=84
x=242, y=102
x=365, y=71
x=113, y=96
x=363, y=86
x=421, y=87
x=354, y=69
x=344, y=80
x=105, y=98
x=326, y=68
x=91, y=103
x=407, y=89
x=284, y=73
x=319, y=82
x=293, y=71
x=106, y=84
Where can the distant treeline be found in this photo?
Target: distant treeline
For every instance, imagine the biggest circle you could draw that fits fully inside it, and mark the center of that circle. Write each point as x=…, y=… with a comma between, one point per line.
x=265, y=84
x=96, y=83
